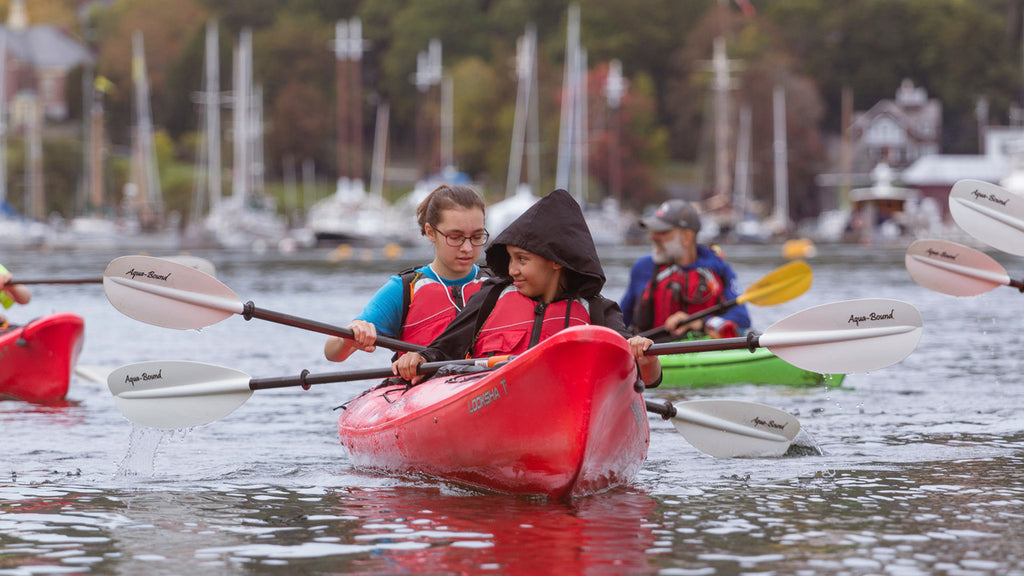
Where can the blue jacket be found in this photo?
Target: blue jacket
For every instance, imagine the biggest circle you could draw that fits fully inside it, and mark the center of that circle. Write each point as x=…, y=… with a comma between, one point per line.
x=640, y=276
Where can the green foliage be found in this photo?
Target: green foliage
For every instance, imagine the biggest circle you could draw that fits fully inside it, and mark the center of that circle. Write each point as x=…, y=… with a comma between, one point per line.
x=957, y=50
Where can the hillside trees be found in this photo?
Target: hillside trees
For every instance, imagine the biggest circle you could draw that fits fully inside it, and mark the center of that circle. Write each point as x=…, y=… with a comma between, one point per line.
x=956, y=50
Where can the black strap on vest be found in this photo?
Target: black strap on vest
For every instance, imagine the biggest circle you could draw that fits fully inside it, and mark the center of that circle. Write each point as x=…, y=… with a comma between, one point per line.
x=409, y=277
x=596, y=310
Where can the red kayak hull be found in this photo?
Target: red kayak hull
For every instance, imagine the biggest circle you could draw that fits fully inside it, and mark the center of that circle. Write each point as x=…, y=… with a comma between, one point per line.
x=36, y=359
x=561, y=420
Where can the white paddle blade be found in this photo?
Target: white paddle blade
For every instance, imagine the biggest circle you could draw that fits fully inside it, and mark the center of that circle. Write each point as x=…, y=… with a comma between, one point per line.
x=846, y=337
x=990, y=213
x=735, y=429
x=175, y=394
x=953, y=269
x=169, y=294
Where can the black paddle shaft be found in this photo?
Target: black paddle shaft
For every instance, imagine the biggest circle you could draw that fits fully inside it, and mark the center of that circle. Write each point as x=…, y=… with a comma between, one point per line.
x=666, y=410
x=751, y=341
x=250, y=311
x=305, y=379
x=58, y=281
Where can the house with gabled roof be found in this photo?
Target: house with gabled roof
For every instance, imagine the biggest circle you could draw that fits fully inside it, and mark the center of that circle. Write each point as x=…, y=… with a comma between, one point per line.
x=897, y=131
x=38, y=59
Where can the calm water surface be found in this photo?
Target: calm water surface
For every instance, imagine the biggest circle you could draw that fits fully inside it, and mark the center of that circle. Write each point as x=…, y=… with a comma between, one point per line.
x=922, y=470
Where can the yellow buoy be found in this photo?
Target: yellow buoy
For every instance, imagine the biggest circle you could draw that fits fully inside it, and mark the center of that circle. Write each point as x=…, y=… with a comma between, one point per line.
x=798, y=248
x=392, y=251
x=341, y=252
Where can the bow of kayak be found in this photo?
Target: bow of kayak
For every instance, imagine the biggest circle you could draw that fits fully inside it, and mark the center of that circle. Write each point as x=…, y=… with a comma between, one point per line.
x=561, y=420
x=37, y=358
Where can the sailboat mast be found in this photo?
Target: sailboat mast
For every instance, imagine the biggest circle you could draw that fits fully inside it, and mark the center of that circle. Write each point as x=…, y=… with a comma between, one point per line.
x=721, y=83
x=565, y=129
x=211, y=103
x=533, y=118
x=447, y=121
x=524, y=73
x=34, y=200
x=355, y=56
x=150, y=198
x=239, y=170
x=341, y=95
x=380, y=150
x=96, y=150
x=741, y=188
x=781, y=213
x=435, y=71
x=581, y=144
x=615, y=88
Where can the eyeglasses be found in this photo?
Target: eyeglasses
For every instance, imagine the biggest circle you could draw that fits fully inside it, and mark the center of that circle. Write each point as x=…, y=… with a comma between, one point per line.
x=457, y=240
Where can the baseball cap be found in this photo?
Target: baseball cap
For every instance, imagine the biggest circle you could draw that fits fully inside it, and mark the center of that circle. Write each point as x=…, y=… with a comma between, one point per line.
x=672, y=214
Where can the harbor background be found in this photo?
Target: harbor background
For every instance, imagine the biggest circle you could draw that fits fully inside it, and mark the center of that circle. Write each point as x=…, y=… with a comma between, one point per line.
x=921, y=471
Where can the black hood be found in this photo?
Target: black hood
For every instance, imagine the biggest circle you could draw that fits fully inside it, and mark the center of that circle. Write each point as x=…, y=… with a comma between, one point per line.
x=553, y=228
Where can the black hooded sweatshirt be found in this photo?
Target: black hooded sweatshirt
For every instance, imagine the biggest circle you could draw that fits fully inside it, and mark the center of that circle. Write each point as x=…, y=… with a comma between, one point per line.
x=553, y=228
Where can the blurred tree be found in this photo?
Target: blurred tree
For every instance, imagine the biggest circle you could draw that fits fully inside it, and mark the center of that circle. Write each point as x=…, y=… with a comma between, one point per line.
x=481, y=140
x=411, y=29
x=297, y=52
x=642, y=141
x=166, y=28
x=295, y=128
x=238, y=14
x=955, y=50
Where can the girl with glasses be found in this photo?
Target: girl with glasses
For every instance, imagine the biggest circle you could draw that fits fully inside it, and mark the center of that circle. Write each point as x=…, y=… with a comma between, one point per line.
x=417, y=304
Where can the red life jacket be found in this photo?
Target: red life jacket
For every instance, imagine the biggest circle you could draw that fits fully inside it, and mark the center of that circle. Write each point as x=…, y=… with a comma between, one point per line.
x=430, y=306
x=673, y=289
x=518, y=323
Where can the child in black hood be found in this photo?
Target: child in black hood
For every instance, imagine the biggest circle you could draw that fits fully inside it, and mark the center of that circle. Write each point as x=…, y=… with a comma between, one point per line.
x=547, y=256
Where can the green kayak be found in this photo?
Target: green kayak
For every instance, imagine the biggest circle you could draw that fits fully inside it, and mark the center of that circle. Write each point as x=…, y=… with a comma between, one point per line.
x=724, y=367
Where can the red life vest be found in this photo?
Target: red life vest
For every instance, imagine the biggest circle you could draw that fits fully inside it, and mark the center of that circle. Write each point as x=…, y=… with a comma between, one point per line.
x=673, y=289
x=432, y=306
x=518, y=323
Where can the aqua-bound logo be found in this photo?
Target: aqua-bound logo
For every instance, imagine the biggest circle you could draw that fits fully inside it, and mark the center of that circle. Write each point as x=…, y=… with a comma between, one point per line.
x=941, y=254
x=144, y=377
x=872, y=317
x=978, y=195
x=151, y=274
x=768, y=423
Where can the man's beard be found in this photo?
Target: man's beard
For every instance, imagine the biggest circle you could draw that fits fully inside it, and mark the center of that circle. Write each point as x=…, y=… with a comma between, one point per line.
x=669, y=253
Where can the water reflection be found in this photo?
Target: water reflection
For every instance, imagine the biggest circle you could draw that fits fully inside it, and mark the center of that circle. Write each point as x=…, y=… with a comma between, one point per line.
x=431, y=530
x=397, y=529
x=959, y=517
x=920, y=470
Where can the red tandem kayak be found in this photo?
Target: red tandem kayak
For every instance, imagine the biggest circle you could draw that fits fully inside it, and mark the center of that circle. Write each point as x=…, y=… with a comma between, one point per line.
x=561, y=420
x=37, y=358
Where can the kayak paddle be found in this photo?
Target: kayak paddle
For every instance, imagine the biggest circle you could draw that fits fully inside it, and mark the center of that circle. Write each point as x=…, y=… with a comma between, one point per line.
x=181, y=394
x=990, y=213
x=731, y=428
x=837, y=338
x=848, y=336
x=780, y=285
x=173, y=295
x=201, y=264
x=955, y=269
